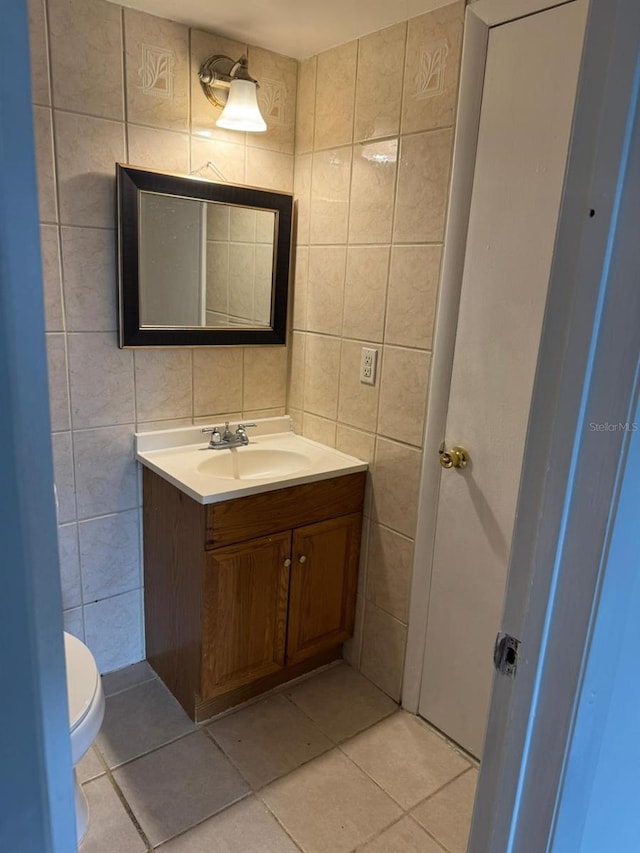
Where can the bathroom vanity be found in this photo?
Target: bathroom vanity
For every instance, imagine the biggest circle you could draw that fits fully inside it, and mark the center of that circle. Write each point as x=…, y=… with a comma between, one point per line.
x=250, y=578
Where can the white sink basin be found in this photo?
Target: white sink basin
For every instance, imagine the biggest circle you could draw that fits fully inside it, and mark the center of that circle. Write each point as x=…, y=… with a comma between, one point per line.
x=253, y=463
x=274, y=459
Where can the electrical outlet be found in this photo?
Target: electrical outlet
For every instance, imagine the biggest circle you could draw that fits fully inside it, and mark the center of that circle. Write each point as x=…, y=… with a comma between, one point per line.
x=368, y=362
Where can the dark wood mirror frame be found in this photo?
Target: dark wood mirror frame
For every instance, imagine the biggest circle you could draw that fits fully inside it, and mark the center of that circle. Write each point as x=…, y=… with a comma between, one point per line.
x=129, y=182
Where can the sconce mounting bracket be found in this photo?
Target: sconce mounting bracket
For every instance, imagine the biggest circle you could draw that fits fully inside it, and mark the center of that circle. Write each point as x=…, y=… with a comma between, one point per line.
x=216, y=74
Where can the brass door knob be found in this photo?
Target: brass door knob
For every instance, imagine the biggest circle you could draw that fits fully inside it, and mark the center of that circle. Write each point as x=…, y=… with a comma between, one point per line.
x=287, y=563
x=457, y=457
x=302, y=559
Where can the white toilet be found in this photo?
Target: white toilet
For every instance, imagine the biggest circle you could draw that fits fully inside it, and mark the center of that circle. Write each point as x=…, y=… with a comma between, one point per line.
x=86, y=711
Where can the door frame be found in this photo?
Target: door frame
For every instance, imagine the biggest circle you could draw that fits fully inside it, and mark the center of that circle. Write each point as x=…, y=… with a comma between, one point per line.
x=480, y=17
x=35, y=749
x=587, y=372
x=571, y=477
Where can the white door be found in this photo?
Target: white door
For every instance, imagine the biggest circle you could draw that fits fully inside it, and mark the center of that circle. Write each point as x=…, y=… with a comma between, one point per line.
x=527, y=106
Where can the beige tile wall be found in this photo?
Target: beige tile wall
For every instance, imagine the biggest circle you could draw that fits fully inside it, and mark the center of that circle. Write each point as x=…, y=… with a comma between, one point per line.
x=95, y=103
x=374, y=136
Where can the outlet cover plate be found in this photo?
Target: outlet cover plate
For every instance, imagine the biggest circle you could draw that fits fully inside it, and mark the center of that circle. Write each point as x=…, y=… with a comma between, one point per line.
x=368, y=364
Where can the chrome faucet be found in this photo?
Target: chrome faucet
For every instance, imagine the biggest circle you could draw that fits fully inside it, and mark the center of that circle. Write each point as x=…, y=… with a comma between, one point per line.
x=221, y=440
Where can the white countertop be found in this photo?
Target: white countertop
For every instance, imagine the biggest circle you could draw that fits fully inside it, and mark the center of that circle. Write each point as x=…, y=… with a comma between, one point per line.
x=180, y=455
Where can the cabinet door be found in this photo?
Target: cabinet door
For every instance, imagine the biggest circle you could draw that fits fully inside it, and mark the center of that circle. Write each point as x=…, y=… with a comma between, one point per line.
x=244, y=612
x=324, y=575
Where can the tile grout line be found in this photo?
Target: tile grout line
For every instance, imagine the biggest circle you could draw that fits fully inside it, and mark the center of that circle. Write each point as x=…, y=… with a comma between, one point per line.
x=252, y=792
x=380, y=368
x=249, y=793
x=128, y=809
x=354, y=101
x=355, y=734
x=257, y=790
x=113, y=594
x=402, y=817
x=131, y=686
x=154, y=749
x=219, y=746
x=280, y=823
x=430, y=832
x=340, y=244
x=368, y=775
x=200, y=822
x=56, y=189
x=75, y=227
x=336, y=746
x=348, y=339
x=426, y=831
x=433, y=837
x=405, y=810
x=440, y=789
x=371, y=140
x=311, y=154
x=384, y=829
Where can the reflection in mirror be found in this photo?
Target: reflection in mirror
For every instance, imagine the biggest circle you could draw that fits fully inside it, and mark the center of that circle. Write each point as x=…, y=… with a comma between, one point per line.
x=201, y=263
x=221, y=254
x=240, y=258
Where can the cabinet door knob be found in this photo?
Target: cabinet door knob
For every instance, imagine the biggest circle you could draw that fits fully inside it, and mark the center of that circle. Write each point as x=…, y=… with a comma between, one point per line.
x=287, y=562
x=302, y=559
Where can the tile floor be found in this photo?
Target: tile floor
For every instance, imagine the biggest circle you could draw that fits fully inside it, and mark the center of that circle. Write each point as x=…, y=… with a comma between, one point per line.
x=326, y=765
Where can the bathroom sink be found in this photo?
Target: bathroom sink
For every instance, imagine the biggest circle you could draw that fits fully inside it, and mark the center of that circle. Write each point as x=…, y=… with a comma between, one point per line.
x=249, y=463
x=275, y=458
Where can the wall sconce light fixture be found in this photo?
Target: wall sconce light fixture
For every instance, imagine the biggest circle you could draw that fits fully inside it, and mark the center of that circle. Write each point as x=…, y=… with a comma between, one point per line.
x=227, y=84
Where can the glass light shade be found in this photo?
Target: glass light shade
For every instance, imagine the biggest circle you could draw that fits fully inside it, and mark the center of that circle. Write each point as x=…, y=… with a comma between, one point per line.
x=241, y=111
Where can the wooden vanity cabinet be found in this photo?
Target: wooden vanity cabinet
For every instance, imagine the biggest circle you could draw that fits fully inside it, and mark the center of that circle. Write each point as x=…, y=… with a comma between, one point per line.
x=322, y=586
x=244, y=613
x=246, y=594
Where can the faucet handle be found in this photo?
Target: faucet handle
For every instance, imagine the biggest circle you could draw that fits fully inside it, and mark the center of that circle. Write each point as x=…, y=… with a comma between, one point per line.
x=241, y=432
x=216, y=438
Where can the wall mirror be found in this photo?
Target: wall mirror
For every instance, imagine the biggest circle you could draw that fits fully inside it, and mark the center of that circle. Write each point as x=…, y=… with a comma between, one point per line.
x=201, y=263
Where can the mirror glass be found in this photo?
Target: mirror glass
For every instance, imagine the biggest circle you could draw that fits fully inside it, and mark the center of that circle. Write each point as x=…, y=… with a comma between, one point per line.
x=200, y=262
x=221, y=254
